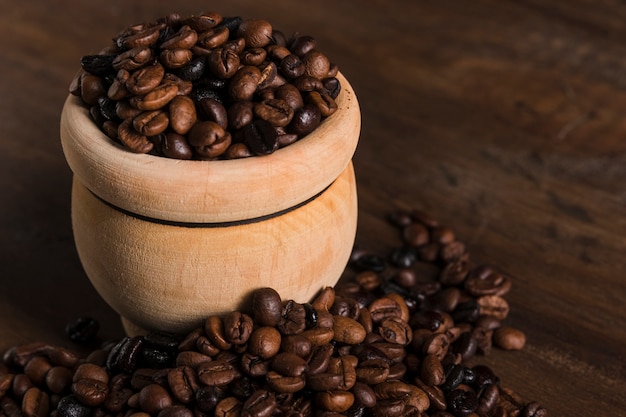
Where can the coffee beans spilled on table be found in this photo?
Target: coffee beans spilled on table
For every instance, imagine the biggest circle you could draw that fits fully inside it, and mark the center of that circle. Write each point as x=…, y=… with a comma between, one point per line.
x=207, y=87
x=393, y=338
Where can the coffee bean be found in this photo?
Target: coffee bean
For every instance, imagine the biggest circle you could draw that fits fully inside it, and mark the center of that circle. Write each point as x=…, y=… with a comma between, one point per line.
x=265, y=342
x=266, y=306
x=256, y=32
x=277, y=112
x=70, y=406
x=262, y=403
x=209, y=139
x=461, y=402
x=509, y=338
x=260, y=137
x=36, y=403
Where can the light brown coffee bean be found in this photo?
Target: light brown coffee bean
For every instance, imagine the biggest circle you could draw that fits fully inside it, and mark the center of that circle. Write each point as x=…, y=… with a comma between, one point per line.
x=431, y=370
x=265, y=342
x=257, y=33
x=289, y=364
x=185, y=38
x=509, y=338
x=493, y=305
x=132, y=139
x=90, y=392
x=36, y=403
x=338, y=401
x=285, y=384
x=348, y=330
x=145, y=79
x=151, y=123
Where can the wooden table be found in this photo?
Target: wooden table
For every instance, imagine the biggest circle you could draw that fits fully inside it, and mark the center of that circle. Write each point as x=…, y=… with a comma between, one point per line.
x=505, y=120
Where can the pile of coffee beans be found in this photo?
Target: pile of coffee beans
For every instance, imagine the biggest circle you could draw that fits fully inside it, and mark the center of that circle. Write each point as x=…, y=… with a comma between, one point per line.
x=393, y=338
x=207, y=87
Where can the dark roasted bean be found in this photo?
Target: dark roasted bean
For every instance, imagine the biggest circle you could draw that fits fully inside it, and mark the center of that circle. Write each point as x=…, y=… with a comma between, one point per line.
x=260, y=137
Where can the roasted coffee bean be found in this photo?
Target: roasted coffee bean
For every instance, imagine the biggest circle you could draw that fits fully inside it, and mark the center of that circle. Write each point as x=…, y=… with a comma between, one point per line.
x=301, y=45
x=91, y=371
x=285, y=384
x=156, y=99
x=338, y=401
x=99, y=65
x=291, y=67
x=184, y=38
x=297, y=344
x=369, y=262
x=237, y=327
x=209, y=139
x=324, y=102
x=254, y=365
x=454, y=272
x=289, y=364
x=70, y=406
x=217, y=372
x=146, y=79
x=92, y=88
x=384, y=307
x=467, y=311
x=316, y=64
x=332, y=86
x=58, y=380
x=306, y=83
x=364, y=394
x=141, y=36
x=493, y=305
x=348, y=330
x=345, y=306
x=182, y=114
x=262, y=403
x=509, y=338
x=133, y=59
x=266, y=306
x=183, y=383
x=153, y=398
x=123, y=356
x=207, y=398
x=275, y=111
x=204, y=21
x=260, y=137
x=237, y=150
x=462, y=403
x=240, y=114
x=151, y=123
x=265, y=342
x=90, y=392
x=256, y=32
x=224, y=63
x=175, y=58
x=395, y=330
x=214, y=111
x=175, y=146
x=36, y=403
x=243, y=84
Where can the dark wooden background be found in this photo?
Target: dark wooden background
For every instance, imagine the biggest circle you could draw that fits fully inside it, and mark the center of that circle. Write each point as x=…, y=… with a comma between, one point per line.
x=504, y=119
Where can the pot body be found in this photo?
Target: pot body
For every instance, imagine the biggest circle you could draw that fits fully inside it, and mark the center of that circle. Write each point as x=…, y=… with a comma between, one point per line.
x=167, y=243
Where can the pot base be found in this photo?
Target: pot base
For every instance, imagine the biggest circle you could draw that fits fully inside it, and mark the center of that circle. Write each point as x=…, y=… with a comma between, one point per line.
x=170, y=277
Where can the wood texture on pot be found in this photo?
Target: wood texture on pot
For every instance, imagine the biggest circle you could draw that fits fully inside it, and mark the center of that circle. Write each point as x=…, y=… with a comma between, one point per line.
x=210, y=191
x=169, y=277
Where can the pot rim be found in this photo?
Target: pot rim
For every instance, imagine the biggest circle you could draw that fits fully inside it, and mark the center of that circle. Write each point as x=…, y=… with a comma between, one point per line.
x=210, y=191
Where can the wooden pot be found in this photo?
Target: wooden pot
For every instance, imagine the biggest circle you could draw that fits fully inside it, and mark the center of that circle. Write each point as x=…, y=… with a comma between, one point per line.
x=168, y=242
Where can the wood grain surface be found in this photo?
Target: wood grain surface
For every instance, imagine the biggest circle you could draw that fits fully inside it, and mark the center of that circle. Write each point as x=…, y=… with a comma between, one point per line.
x=503, y=119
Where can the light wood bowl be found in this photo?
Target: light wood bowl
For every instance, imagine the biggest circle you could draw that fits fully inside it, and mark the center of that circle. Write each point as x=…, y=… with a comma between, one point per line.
x=168, y=242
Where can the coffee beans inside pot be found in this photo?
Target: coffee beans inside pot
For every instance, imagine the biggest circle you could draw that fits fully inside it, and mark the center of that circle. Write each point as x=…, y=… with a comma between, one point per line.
x=390, y=339
x=207, y=87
